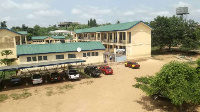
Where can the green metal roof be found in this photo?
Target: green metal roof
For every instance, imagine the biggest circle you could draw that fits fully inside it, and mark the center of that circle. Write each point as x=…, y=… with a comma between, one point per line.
x=58, y=37
x=43, y=37
x=19, y=33
x=113, y=27
x=29, y=49
x=23, y=32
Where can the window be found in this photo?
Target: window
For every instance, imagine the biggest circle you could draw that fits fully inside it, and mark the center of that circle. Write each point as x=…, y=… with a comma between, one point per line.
x=44, y=57
x=92, y=35
x=34, y=58
x=39, y=58
x=97, y=54
x=28, y=59
x=88, y=54
x=60, y=56
x=93, y=54
x=124, y=36
x=71, y=55
x=110, y=46
x=98, y=34
x=84, y=54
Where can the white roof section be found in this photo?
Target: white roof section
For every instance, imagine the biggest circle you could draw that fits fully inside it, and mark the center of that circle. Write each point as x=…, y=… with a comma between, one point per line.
x=60, y=31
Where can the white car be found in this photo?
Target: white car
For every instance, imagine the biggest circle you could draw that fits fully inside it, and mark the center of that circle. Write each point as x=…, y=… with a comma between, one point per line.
x=37, y=79
x=73, y=74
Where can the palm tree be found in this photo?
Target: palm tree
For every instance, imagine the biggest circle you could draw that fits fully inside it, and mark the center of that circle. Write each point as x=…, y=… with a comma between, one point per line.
x=6, y=52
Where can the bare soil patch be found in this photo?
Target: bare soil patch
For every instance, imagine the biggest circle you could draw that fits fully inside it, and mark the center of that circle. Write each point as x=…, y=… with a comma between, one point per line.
x=109, y=93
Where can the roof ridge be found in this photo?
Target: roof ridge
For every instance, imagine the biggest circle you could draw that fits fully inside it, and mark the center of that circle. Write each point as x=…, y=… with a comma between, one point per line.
x=112, y=27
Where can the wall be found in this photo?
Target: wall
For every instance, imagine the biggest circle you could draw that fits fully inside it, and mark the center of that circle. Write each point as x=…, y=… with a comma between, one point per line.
x=79, y=55
x=140, y=41
x=7, y=42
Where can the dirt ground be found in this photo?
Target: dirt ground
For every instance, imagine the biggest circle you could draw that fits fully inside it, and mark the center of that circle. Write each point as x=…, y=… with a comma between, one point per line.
x=109, y=93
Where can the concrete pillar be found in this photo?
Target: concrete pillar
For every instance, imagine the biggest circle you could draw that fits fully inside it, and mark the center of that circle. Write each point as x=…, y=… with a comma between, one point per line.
x=126, y=37
x=117, y=37
x=20, y=40
x=107, y=36
x=96, y=36
x=26, y=39
x=100, y=36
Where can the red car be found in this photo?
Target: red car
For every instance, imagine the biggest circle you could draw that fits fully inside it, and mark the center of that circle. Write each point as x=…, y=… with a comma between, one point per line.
x=132, y=64
x=106, y=70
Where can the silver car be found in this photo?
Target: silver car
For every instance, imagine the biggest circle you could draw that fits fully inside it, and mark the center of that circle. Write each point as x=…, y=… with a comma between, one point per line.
x=73, y=74
x=37, y=79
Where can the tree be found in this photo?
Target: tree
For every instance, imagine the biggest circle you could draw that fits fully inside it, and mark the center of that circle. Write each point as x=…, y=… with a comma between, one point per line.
x=92, y=22
x=68, y=36
x=6, y=61
x=177, y=81
x=117, y=22
x=3, y=24
x=191, y=38
x=6, y=52
x=167, y=31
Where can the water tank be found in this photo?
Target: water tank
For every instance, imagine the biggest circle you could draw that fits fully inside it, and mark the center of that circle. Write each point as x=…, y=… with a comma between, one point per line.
x=182, y=10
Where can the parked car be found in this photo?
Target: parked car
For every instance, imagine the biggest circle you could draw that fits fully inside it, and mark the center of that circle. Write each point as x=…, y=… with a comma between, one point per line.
x=15, y=80
x=132, y=64
x=106, y=70
x=92, y=71
x=159, y=96
x=73, y=74
x=1, y=83
x=55, y=76
x=36, y=79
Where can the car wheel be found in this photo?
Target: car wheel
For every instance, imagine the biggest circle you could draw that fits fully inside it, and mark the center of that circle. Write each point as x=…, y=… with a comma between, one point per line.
x=155, y=97
x=125, y=65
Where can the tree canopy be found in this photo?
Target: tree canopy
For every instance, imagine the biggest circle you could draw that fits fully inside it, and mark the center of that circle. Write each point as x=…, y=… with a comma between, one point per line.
x=175, y=31
x=177, y=81
x=3, y=24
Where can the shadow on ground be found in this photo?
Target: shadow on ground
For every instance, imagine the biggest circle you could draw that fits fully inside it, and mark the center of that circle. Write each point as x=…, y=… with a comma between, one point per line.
x=149, y=104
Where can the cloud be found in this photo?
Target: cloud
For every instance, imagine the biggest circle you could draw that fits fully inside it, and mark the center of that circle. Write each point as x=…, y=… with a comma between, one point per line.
x=129, y=13
x=160, y=13
x=10, y=5
x=7, y=18
x=45, y=14
x=182, y=4
x=88, y=12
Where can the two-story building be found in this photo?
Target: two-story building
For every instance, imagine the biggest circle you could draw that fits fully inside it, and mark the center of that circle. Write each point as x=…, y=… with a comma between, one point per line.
x=9, y=39
x=133, y=37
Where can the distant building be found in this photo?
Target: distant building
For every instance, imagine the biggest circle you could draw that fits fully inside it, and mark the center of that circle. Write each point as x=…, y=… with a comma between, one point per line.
x=47, y=39
x=61, y=32
x=66, y=24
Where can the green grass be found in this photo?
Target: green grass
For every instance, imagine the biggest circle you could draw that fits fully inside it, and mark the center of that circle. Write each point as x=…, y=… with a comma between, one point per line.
x=83, y=75
x=8, y=74
x=87, y=82
x=24, y=95
x=68, y=86
x=49, y=92
x=3, y=97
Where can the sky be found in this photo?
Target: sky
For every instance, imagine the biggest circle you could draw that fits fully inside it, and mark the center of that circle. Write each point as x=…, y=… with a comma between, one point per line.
x=51, y=12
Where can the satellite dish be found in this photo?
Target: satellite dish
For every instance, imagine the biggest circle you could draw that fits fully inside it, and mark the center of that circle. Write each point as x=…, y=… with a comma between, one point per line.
x=78, y=49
